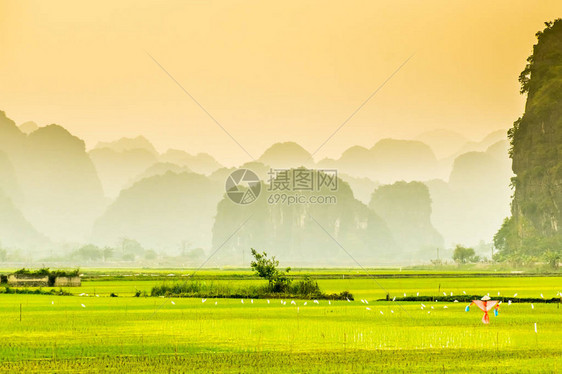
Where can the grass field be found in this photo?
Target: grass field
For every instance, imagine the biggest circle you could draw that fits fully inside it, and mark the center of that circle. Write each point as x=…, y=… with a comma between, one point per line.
x=128, y=334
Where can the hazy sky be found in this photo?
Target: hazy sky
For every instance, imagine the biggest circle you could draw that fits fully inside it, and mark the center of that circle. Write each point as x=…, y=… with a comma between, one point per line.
x=268, y=71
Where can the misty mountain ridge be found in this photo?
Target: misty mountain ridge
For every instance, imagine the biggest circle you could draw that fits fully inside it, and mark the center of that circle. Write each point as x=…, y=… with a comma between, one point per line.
x=167, y=200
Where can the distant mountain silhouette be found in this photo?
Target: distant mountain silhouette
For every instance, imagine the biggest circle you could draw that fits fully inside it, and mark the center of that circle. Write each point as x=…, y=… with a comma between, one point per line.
x=201, y=163
x=302, y=233
x=128, y=144
x=50, y=187
x=117, y=168
x=443, y=142
x=475, y=201
x=286, y=155
x=15, y=231
x=388, y=161
x=161, y=212
x=9, y=181
x=481, y=145
x=406, y=208
x=160, y=168
x=62, y=191
x=362, y=187
x=28, y=127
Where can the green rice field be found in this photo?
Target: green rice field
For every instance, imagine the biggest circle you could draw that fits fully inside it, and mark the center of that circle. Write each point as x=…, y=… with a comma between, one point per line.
x=97, y=333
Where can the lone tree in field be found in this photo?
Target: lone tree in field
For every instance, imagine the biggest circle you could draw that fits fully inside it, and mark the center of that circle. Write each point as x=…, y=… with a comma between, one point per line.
x=462, y=255
x=267, y=268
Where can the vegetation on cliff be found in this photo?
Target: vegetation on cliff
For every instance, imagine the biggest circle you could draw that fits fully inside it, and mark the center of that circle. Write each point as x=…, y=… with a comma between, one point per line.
x=533, y=231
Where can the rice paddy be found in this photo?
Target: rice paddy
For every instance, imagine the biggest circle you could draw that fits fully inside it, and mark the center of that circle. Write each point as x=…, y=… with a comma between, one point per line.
x=144, y=334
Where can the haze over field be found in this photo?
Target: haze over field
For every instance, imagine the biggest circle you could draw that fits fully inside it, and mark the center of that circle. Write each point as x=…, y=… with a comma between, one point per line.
x=396, y=201
x=119, y=131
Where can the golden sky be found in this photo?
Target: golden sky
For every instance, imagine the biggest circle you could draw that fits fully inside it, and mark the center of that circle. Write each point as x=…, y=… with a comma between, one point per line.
x=268, y=71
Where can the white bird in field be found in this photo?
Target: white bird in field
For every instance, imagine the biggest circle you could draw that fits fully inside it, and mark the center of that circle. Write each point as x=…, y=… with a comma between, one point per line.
x=171, y=302
x=445, y=307
x=456, y=301
x=363, y=301
x=444, y=293
x=432, y=307
x=423, y=305
x=391, y=311
x=83, y=306
x=252, y=301
x=82, y=294
x=429, y=311
x=367, y=308
x=451, y=294
x=316, y=302
x=381, y=311
x=394, y=298
x=329, y=302
x=52, y=302
x=508, y=302
x=417, y=293
x=464, y=292
x=203, y=301
x=268, y=301
x=348, y=300
x=293, y=302
x=532, y=306
x=542, y=297
x=404, y=294
x=305, y=303
x=515, y=294
x=242, y=301
x=366, y=301
x=216, y=302
x=535, y=327
x=281, y=301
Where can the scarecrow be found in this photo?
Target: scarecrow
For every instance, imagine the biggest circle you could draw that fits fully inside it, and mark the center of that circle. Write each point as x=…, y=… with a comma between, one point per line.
x=485, y=305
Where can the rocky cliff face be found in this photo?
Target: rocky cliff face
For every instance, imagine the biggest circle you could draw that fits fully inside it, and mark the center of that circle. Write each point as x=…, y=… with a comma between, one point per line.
x=537, y=141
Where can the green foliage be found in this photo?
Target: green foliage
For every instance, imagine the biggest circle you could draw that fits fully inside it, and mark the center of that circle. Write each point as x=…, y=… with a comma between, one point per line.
x=304, y=289
x=89, y=252
x=52, y=274
x=36, y=291
x=530, y=236
x=462, y=255
x=267, y=268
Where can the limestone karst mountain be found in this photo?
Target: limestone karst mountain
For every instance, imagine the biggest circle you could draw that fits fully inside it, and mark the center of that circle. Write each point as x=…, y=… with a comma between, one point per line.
x=62, y=192
x=388, y=161
x=475, y=200
x=117, y=168
x=406, y=208
x=9, y=181
x=286, y=155
x=28, y=127
x=15, y=231
x=128, y=144
x=444, y=143
x=533, y=231
x=201, y=163
x=305, y=234
x=161, y=212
